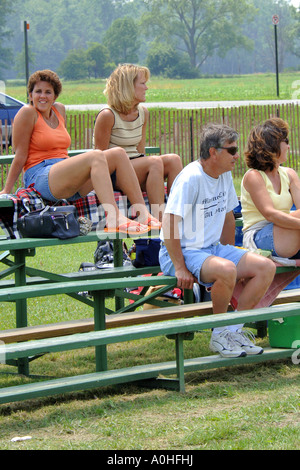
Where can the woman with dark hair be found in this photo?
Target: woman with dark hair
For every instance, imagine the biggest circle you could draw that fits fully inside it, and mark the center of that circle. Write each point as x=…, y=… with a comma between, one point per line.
x=41, y=140
x=268, y=192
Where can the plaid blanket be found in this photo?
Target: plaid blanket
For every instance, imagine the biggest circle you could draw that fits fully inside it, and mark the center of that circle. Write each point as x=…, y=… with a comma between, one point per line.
x=28, y=199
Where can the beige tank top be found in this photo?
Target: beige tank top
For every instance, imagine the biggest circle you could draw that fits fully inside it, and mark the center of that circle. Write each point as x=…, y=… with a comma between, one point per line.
x=127, y=134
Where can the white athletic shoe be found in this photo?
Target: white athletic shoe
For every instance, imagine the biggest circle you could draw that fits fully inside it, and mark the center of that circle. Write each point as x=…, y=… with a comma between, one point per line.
x=225, y=346
x=246, y=340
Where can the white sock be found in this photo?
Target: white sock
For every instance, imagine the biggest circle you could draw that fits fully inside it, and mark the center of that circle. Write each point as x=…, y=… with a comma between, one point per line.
x=219, y=329
x=234, y=328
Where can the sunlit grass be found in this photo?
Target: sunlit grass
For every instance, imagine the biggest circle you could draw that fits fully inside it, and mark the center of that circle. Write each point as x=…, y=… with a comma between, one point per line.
x=236, y=87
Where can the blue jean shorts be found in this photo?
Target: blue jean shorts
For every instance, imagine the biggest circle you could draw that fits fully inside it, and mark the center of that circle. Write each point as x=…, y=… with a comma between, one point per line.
x=38, y=175
x=264, y=239
x=194, y=259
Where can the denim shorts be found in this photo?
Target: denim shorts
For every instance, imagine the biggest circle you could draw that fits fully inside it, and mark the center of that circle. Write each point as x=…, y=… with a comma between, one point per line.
x=264, y=239
x=38, y=175
x=194, y=259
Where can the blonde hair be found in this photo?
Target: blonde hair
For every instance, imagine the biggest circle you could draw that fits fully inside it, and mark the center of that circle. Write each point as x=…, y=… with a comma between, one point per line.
x=119, y=88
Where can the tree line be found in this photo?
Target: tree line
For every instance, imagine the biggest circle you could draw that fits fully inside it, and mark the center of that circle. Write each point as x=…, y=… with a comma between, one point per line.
x=175, y=38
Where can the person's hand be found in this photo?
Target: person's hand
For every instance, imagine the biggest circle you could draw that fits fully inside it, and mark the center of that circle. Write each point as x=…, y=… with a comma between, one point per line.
x=185, y=278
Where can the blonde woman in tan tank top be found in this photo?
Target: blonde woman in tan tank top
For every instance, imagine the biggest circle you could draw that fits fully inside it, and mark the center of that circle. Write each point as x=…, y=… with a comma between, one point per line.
x=125, y=124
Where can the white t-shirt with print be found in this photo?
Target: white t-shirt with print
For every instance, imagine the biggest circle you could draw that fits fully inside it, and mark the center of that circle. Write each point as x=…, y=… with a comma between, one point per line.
x=202, y=202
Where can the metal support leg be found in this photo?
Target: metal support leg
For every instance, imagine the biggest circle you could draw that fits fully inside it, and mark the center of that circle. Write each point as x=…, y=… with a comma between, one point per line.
x=99, y=317
x=180, y=361
x=118, y=261
x=188, y=296
x=21, y=306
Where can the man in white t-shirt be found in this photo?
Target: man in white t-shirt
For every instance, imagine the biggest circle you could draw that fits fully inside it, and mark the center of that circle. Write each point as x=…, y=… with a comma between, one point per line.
x=198, y=233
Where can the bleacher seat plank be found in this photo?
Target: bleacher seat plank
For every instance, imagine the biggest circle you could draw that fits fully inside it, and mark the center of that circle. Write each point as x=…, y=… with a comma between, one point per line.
x=169, y=327
x=123, y=319
x=112, y=321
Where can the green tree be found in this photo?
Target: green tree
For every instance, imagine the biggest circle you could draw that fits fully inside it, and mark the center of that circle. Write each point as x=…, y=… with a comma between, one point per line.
x=164, y=59
x=75, y=66
x=294, y=36
x=20, y=61
x=98, y=56
x=200, y=26
x=263, y=56
x=6, y=7
x=122, y=40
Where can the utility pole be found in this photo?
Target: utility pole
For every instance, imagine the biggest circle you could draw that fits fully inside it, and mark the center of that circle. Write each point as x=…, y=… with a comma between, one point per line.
x=275, y=21
x=26, y=28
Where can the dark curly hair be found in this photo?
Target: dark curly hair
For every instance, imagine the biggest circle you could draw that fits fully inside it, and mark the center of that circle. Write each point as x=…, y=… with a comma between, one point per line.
x=263, y=146
x=45, y=76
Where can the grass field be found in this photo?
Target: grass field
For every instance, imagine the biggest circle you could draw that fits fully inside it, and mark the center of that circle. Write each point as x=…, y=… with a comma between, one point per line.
x=239, y=408
x=236, y=87
x=247, y=407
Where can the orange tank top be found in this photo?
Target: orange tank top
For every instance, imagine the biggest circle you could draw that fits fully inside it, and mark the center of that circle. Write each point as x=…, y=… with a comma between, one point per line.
x=46, y=142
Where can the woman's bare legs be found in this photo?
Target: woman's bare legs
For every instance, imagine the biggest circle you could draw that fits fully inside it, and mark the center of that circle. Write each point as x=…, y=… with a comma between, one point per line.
x=172, y=166
x=83, y=173
x=287, y=241
x=150, y=174
x=127, y=181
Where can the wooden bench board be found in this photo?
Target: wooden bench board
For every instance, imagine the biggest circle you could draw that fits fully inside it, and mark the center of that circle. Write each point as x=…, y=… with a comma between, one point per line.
x=112, y=321
x=170, y=327
x=125, y=319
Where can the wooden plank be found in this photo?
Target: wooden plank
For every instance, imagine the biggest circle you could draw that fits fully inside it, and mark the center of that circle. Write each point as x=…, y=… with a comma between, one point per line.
x=112, y=321
x=172, y=327
x=287, y=296
x=123, y=320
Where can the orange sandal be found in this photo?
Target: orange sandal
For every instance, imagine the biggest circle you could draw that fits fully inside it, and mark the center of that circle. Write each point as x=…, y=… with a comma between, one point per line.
x=153, y=223
x=126, y=227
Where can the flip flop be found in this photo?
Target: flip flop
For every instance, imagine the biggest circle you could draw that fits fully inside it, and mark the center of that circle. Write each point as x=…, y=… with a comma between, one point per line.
x=152, y=220
x=125, y=228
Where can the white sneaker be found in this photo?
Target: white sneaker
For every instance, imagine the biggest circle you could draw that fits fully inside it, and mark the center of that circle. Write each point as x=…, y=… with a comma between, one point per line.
x=246, y=340
x=225, y=346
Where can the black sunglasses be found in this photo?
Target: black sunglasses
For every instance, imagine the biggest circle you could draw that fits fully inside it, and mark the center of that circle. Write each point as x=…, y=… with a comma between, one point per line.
x=231, y=150
x=286, y=141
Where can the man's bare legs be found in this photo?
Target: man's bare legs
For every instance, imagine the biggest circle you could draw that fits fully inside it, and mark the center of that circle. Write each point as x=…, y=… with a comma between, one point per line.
x=258, y=273
x=255, y=269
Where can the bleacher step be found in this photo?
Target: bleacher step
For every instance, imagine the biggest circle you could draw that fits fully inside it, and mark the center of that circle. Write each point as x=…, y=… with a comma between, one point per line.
x=132, y=374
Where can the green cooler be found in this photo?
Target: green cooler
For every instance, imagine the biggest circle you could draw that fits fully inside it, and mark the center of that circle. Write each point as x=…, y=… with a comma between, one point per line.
x=284, y=332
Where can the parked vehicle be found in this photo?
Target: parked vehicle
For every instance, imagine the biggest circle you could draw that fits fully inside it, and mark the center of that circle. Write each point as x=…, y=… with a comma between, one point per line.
x=8, y=109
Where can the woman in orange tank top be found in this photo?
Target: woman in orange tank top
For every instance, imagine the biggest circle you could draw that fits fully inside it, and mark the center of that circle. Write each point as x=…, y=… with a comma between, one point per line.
x=41, y=140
